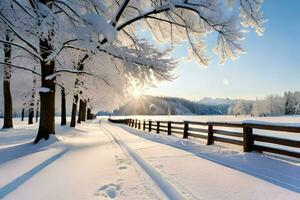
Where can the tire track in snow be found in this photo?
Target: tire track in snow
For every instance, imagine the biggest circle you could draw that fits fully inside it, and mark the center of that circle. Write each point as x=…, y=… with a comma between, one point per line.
x=141, y=187
x=163, y=184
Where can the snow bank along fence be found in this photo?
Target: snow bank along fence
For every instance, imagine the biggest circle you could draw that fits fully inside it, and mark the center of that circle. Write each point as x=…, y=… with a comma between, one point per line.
x=211, y=131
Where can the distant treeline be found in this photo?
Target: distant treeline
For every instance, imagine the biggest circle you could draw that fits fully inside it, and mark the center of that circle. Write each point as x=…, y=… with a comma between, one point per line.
x=150, y=105
x=288, y=104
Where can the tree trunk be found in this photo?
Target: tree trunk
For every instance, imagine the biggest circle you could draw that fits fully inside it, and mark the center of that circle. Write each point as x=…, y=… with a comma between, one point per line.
x=74, y=109
x=88, y=113
x=47, y=110
x=31, y=105
x=30, y=115
x=37, y=110
x=75, y=100
x=80, y=111
x=22, y=115
x=8, y=121
x=37, y=116
x=83, y=111
x=63, y=107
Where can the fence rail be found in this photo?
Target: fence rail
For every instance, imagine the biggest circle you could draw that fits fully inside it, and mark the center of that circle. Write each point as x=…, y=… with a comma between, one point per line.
x=246, y=137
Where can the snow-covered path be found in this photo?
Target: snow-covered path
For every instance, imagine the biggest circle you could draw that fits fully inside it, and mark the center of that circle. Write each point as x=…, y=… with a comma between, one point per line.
x=194, y=177
x=109, y=162
x=85, y=164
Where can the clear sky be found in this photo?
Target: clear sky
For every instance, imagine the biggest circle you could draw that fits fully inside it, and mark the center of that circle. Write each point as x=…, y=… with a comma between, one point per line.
x=270, y=66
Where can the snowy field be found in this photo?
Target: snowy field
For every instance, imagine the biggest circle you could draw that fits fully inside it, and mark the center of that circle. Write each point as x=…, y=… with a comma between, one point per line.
x=107, y=161
x=293, y=120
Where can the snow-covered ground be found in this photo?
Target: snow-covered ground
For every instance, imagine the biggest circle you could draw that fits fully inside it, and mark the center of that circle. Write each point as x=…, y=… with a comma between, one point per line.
x=109, y=161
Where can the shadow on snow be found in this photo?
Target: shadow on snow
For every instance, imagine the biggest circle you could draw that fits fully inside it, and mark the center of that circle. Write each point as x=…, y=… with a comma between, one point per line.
x=8, y=188
x=17, y=151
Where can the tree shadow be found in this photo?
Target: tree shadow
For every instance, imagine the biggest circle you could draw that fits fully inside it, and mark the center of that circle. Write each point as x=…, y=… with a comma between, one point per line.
x=15, y=136
x=17, y=151
x=277, y=171
x=70, y=131
x=8, y=188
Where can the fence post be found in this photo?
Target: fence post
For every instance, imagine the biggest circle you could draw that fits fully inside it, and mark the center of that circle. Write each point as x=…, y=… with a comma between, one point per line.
x=144, y=125
x=169, y=128
x=157, y=127
x=150, y=123
x=139, y=124
x=210, y=135
x=135, y=126
x=247, y=139
x=185, y=130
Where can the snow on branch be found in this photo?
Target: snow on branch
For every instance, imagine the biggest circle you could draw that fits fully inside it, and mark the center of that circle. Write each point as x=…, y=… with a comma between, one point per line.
x=195, y=19
x=77, y=72
x=21, y=67
x=44, y=90
x=22, y=47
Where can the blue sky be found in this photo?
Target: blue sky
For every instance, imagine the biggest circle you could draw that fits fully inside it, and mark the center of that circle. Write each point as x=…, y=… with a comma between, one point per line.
x=270, y=65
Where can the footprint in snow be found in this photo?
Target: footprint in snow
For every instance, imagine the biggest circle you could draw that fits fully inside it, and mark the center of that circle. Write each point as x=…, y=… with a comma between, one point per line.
x=110, y=191
x=122, y=164
x=122, y=167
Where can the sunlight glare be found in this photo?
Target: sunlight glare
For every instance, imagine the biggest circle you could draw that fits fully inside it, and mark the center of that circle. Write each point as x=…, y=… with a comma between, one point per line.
x=137, y=93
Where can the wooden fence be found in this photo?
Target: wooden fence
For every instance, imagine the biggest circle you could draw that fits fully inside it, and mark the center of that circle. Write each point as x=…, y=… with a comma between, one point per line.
x=212, y=131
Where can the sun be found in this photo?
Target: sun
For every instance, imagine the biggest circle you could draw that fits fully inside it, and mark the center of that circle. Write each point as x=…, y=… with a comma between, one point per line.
x=137, y=93
x=136, y=89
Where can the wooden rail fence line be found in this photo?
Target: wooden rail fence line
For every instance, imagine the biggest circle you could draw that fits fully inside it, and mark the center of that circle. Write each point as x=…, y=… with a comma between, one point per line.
x=211, y=132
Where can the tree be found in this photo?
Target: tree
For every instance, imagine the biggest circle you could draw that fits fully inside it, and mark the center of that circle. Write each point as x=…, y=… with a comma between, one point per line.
x=32, y=102
x=276, y=105
x=292, y=102
x=8, y=122
x=88, y=26
x=241, y=107
x=37, y=110
x=63, y=107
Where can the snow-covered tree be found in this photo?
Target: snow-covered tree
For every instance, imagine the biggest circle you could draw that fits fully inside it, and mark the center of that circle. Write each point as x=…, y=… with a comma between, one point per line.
x=292, y=102
x=241, y=107
x=276, y=105
x=8, y=122
x=45, y=28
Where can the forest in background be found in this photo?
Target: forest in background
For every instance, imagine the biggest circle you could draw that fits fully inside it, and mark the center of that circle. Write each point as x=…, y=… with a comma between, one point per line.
x=273, y=105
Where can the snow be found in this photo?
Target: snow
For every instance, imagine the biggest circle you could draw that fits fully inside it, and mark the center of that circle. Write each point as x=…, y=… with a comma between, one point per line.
x=44, y=90
x=109, y=161
x=99, y=24
x=289, y=121
x=51, y=77
x=271, y=123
